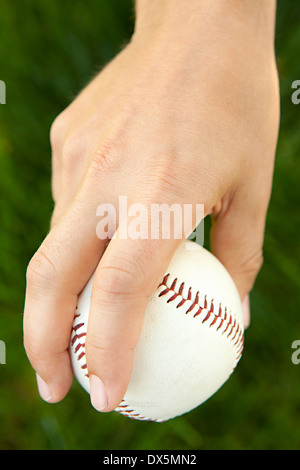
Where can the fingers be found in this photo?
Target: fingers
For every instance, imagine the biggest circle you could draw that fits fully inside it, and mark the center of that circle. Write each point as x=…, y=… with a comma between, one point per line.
x=237, y=238
x=129, y=272
x=55, y=276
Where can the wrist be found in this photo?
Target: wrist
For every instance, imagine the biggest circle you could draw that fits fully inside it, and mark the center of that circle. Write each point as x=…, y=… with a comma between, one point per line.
x=245, y=23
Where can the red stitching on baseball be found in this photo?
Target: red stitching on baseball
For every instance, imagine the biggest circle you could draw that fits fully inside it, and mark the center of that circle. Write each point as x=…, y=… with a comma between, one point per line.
x=121, y=409
x=76, y=339
x=231, y=327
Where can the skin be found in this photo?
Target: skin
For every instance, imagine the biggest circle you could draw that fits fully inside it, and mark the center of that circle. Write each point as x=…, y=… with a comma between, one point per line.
x=188, y=112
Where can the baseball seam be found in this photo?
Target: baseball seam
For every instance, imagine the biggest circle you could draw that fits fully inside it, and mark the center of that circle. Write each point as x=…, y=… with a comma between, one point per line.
x=222, y=321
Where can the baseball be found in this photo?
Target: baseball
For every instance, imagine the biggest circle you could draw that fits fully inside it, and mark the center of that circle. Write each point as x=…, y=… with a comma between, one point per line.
x=191, y=341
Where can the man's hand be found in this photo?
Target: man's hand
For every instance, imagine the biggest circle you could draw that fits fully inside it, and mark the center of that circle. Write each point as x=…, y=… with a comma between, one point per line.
x=188, y=112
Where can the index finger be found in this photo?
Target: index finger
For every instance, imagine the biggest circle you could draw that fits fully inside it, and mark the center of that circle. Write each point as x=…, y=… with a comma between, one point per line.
x=55, y=276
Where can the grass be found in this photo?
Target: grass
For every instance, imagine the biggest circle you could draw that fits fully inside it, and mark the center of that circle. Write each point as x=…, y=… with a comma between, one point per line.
x=48, y=51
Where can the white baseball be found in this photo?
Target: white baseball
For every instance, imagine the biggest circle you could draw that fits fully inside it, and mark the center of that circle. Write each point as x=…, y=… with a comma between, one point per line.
x=191, y=341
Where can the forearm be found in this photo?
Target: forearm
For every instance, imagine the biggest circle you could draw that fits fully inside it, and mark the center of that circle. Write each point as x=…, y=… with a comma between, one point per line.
x=223, y=21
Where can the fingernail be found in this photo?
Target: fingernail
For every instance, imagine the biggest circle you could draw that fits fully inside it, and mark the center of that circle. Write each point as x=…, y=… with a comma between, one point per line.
x=98, y=393
x=43, y=389
x=246, y=311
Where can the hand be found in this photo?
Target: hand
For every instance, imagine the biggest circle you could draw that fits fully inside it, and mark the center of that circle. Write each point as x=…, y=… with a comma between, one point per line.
x=180, y=118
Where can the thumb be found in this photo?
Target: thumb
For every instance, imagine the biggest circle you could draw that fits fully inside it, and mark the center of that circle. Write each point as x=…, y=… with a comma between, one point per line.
x=237, y=236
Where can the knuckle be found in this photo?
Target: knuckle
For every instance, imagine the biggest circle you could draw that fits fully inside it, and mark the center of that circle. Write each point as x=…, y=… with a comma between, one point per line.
x=103, y=160
x=74, y=147
x=161, y=181
x=109, y=341
x=33, y=350
x=96, y=346
x=35, y=344
x=41, y=271
x=115, y=282
x=121, y=278
x=38, y=354
x=57, y=132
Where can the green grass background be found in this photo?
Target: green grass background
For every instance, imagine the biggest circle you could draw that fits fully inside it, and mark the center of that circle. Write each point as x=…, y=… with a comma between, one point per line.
x=48, y=51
